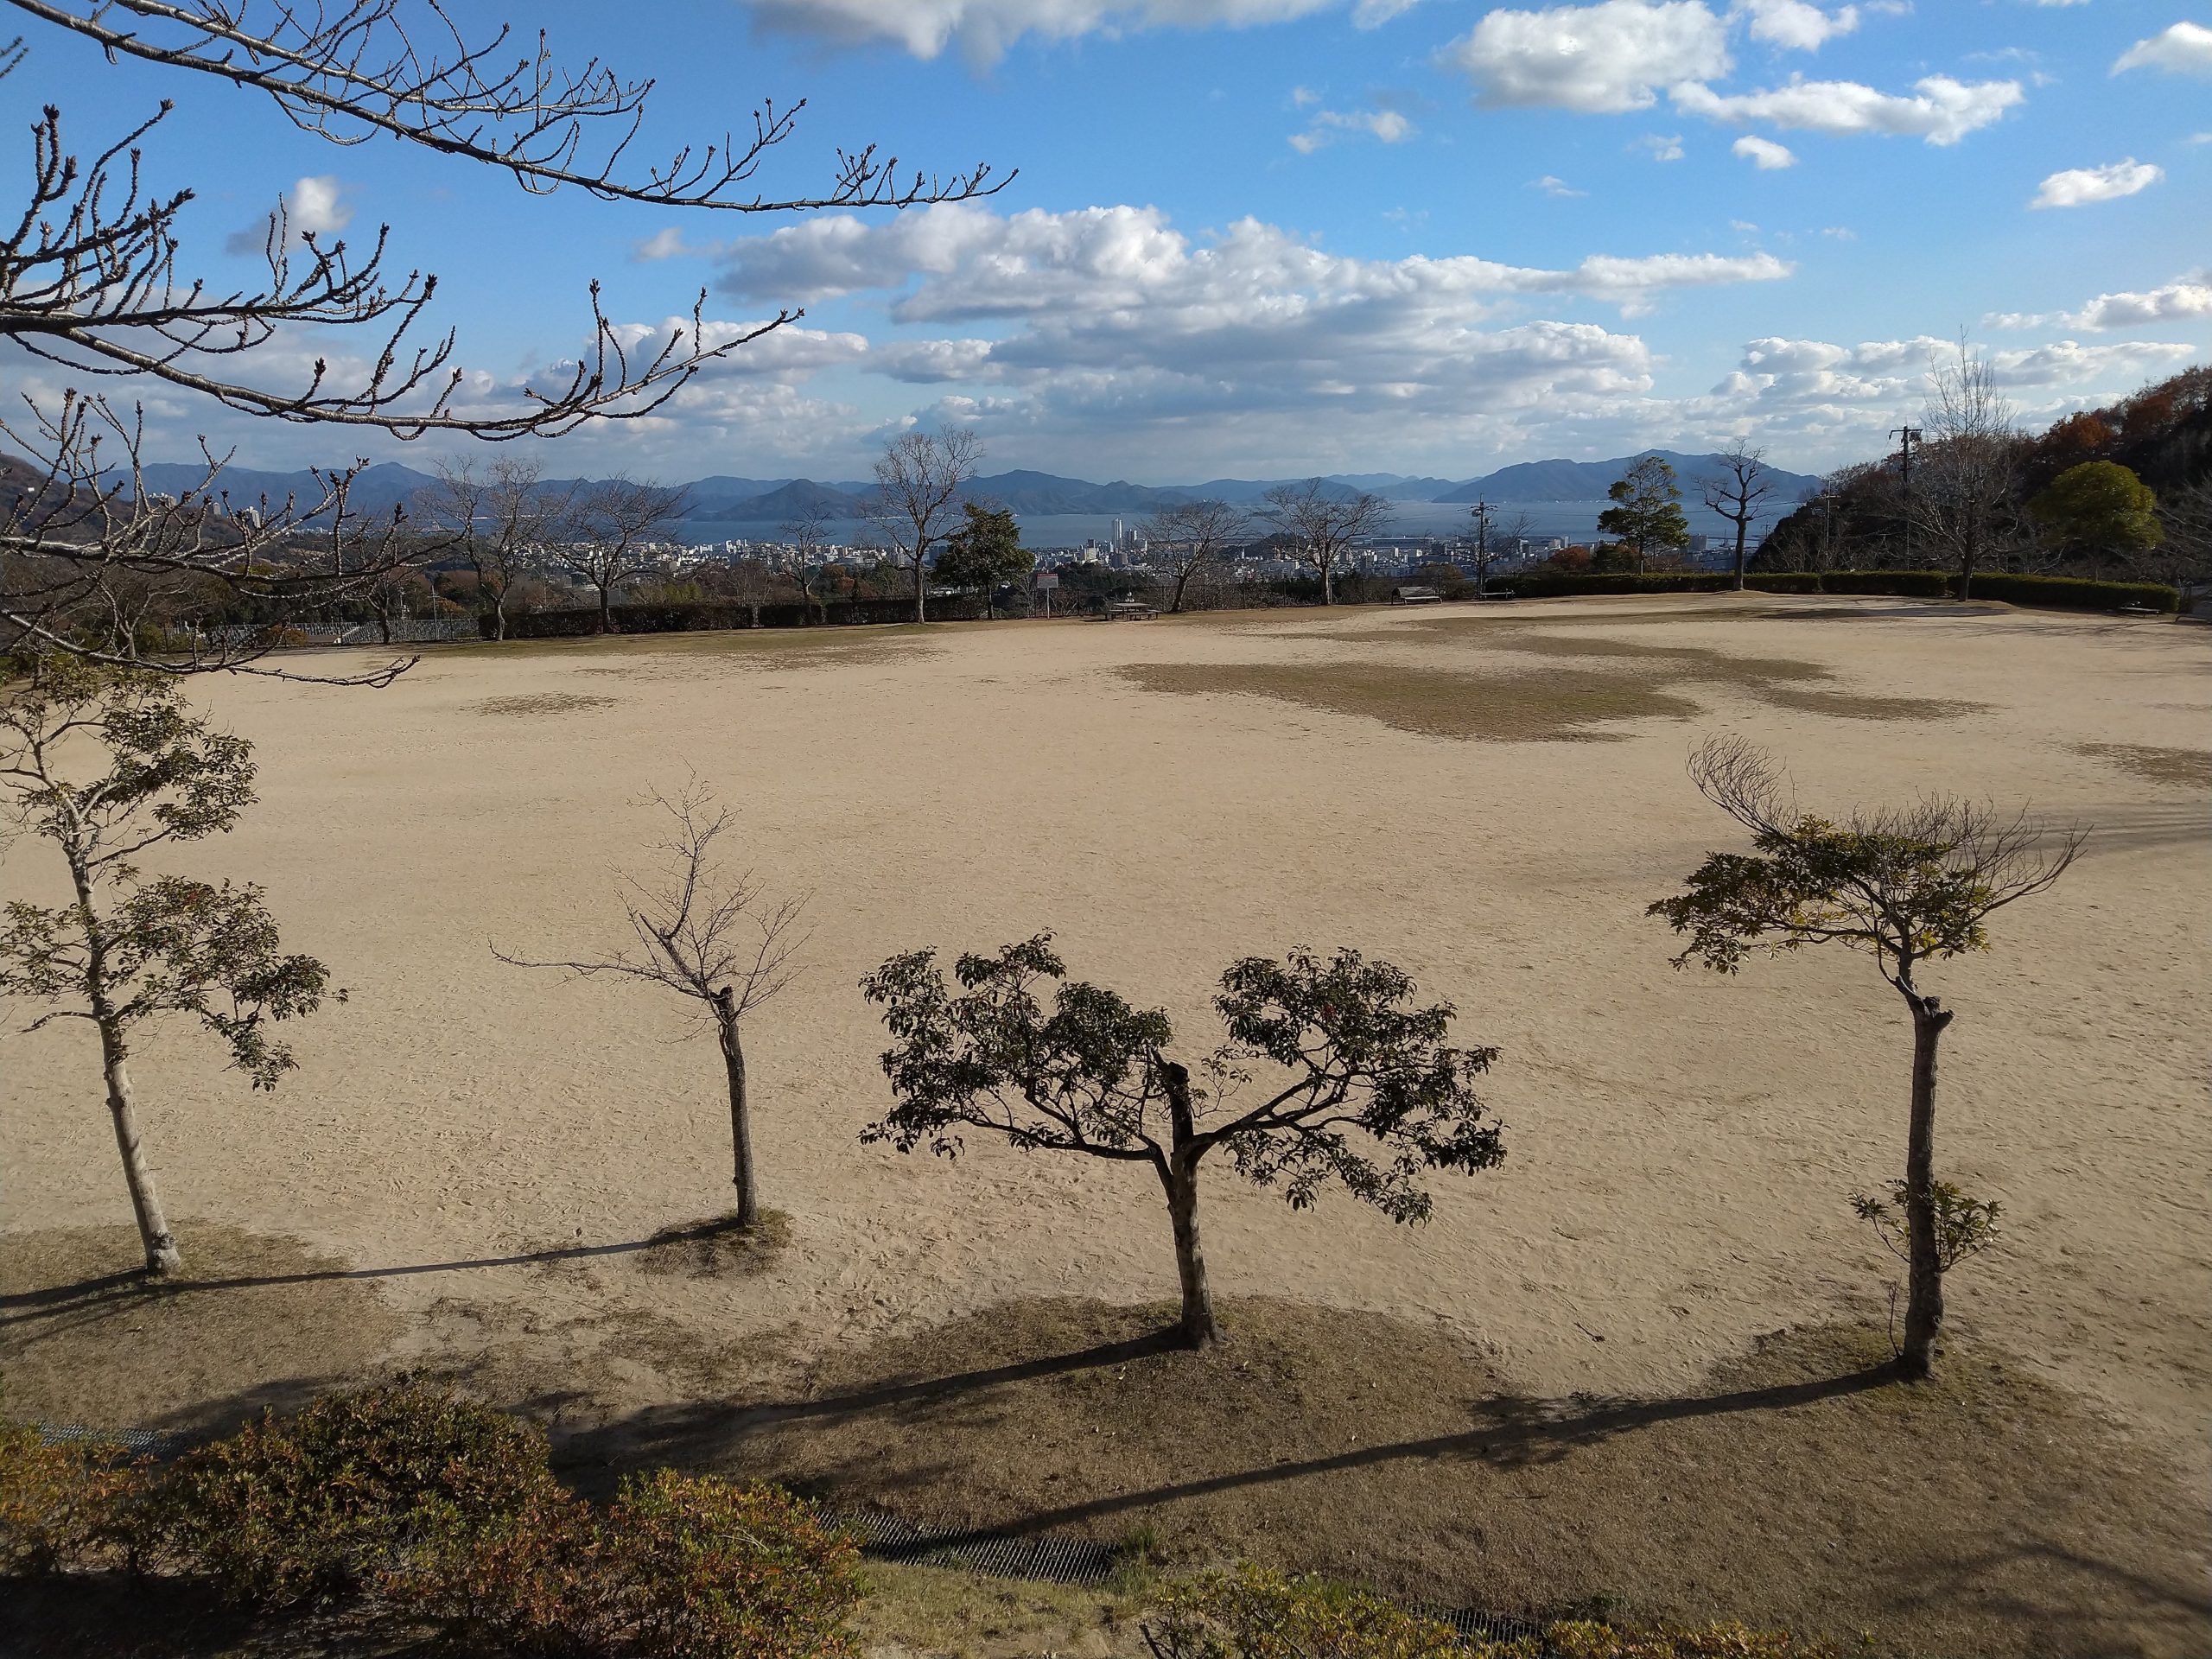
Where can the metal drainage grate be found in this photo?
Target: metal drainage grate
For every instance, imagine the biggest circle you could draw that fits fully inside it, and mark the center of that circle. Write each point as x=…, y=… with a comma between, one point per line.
x=145, y=1442
x=1053, y=1560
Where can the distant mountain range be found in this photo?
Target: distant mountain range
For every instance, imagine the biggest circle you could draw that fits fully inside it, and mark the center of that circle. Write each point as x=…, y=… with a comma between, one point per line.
x=758, y=502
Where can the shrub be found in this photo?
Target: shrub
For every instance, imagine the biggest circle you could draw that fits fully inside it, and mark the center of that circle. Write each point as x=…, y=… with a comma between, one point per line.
x=1544, y=584
x=703, y=616
x=64, y=1507
x=705, y=1569
x=319, y=1504
x=1782, y=581
x=2074, y=594
x=1590, y=1641
x=680, y=1566
x=1907, y=584
x=1254, y=1613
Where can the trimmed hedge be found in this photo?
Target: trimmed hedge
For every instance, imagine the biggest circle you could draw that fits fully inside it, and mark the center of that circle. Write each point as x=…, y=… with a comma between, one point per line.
x=704, y=615
x=2074, y=594
x=2054, y=593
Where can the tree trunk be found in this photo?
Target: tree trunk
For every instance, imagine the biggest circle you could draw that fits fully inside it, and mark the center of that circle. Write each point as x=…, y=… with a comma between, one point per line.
x=921, y=581
x=1175, y=604
x=162, y=1257
x=1924, y=1311
x=605, y=610
x=1741, y=525
x=1328, y=582
x=740, y=1116
x=1180, y=1176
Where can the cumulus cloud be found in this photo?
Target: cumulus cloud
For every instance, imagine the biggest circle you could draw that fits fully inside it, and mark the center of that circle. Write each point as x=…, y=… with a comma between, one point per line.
x=965, y=261
x=985, y=29
x=1941, y=110
x=1620, y=56
x=1602, y=59
x=1764, y=154
x=2182, y=49
x=2187, y=300
x=1796, y=24
x=315, y=205
x=2078, y=186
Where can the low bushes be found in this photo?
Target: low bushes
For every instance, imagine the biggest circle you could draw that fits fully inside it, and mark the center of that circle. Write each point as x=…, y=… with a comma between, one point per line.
x=71, y=1505
x=2074, y=594
x=410, y=1506
x=318, y=1504
x=701, y=615
x=2057, y=593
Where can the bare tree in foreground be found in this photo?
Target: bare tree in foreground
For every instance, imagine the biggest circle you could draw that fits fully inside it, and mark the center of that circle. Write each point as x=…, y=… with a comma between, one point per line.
x=916, y=504
x=1908, y=885
x=130, y=947
x=1323, y=527
x=1192, y=535
x=607, y=530
x=712, y=937
x=1738, y=493
x=91, y=276
x=1362, y=1086
x=808, y=531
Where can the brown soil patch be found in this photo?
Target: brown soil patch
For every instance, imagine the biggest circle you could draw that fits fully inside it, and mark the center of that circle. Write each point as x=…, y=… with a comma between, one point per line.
x=1499, y=708
x=1555, y=706
x=85, y=1338
x=2188, y=768
x=1984, y=1514
x=543, y=702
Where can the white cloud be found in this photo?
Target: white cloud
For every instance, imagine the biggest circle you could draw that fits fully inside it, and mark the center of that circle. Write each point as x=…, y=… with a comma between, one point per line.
x=1551, y=185
x=1662, y=146
x=2078, y=186
x=984, y=29
x=1796, y=24
x=2187, y=300
x=1942, y=110
x=1764, y=154
x=2182, y=49
x=661, y=244
x=1328, y=125
x=315, y=205
x=1606, y=58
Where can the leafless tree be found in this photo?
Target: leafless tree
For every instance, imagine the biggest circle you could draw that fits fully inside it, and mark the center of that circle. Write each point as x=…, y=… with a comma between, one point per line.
x=915, y=506
x=1738, y=492
x=1191, y=536
x=808, y=531
x=1322, y=526
x=610, y=528
x=1969, y=463
x=500, y=519
x=90, y=278
x=2186, y=553
x=1910, y=885
x=710, y=936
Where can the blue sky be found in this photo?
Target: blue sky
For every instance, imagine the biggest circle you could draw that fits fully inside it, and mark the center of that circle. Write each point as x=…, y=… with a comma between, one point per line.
x=1276, y=236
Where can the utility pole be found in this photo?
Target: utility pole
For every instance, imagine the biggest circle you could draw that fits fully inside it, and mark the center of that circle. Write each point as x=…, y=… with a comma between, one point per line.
x=1481, y=513
x=1906, y=437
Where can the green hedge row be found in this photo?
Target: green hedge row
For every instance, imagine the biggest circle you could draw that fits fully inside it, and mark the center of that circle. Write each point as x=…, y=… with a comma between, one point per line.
x=693, y=616
x=2056, y=592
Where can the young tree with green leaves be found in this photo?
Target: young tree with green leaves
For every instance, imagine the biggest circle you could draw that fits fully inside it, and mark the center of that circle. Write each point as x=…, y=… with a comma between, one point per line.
x=1360, y=1085
x=131, y=947
x=1909, y=885
x=1647, y=517
x=2097, y=508
x=986, y=553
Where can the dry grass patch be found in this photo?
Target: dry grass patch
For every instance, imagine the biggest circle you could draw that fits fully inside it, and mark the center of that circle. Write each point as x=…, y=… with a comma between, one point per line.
x=543, y=703
x=1801, y=1488
x=717, y=1246
x=85, y=1338
x=934, y=1610
x=2185, y=768
x=1508, y=709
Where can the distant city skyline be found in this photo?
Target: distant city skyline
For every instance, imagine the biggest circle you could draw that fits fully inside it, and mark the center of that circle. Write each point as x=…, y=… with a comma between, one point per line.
x=1279, y=237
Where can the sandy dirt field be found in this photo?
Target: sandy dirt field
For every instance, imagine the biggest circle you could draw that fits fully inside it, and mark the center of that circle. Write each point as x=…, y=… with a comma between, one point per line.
x=1680, y=1146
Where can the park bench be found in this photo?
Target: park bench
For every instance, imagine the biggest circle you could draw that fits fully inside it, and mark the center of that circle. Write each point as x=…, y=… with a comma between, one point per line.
x=1415, y=596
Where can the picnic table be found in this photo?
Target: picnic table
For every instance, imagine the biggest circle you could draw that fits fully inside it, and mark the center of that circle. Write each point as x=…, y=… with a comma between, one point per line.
x=1130, y=610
